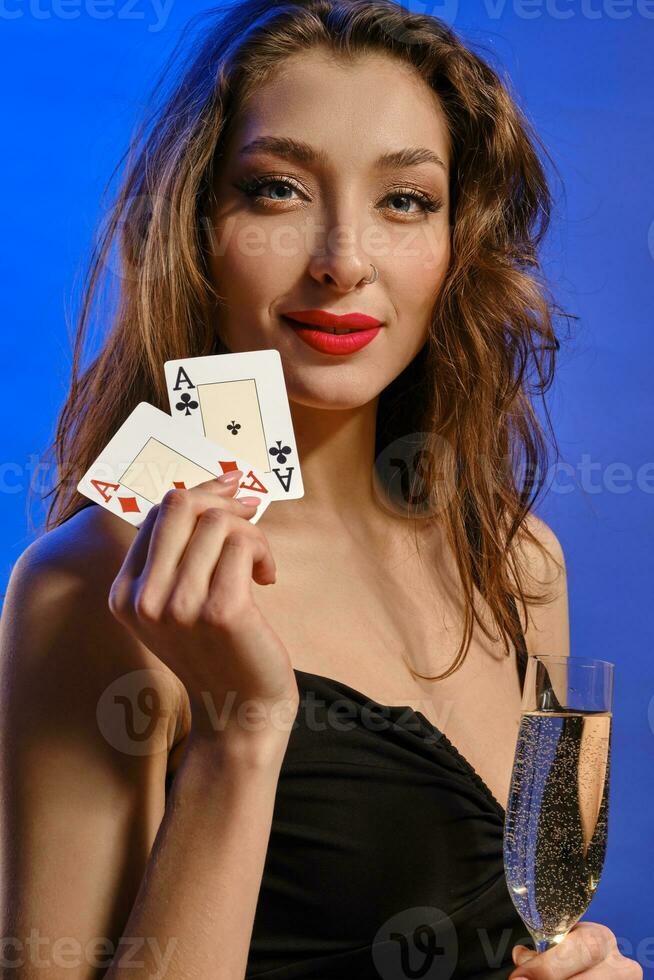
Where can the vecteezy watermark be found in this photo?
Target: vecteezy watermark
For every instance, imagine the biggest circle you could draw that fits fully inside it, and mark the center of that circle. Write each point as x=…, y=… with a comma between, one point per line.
x=448, y=10
x=567, y=9
x=642, y=950
x=153, y=12
x=44, y=952
x=132, y=717
x=312, y=238
x=130, y=713
x=400, y=467
x=407, y=34
x=424, y=942
x=497, y=948
x=417, y=942
x=401, y=474
x=302, y=237
x=594, y=477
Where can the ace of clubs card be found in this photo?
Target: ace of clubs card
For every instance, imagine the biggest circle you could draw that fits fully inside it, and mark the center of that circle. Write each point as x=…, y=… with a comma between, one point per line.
x=240, y=400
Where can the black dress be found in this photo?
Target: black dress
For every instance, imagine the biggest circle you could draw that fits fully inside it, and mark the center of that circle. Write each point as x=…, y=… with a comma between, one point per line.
x=385, y=854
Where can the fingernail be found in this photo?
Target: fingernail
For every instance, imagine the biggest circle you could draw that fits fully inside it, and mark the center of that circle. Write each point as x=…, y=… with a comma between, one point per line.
x=231, y=477
x=249, y=500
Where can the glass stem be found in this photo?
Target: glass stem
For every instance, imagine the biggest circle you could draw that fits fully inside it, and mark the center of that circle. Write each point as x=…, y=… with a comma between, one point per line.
x=544, y=944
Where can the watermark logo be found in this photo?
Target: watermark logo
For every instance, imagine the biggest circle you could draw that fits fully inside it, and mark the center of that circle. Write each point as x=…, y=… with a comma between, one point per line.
x=401, y=474
x=420, y=943
x=67, y=952
x=153, y=13
x=143, y=255
x=130, y=713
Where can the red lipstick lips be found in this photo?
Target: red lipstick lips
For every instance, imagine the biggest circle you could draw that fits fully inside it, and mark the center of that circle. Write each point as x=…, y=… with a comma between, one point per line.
x=321, y=318
x=314, y=328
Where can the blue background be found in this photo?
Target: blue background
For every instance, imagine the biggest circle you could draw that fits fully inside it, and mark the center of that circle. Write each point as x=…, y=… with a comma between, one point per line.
x=74, y=84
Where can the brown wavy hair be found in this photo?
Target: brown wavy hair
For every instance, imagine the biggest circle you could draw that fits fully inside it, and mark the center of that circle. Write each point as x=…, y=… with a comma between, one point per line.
x=491, y=345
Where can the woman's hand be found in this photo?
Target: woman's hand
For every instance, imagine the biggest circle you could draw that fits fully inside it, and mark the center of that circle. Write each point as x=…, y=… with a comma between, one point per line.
x=184, y=589
x=589, y=951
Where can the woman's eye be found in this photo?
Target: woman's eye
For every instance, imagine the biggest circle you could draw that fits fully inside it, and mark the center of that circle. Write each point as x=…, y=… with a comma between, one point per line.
x=424, y=202
x=253, y=188
x=282, y=190
x=278, y=185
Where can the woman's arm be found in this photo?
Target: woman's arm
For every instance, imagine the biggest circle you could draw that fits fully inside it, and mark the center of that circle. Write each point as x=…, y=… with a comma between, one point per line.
x=89, y=850
x=199, y=893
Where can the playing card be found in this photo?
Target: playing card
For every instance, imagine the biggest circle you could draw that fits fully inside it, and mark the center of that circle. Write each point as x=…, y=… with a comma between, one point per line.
x=150, y=454
x=240, y=400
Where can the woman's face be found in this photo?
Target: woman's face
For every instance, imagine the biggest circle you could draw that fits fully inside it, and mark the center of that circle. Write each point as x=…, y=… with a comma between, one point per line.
x=305, y=237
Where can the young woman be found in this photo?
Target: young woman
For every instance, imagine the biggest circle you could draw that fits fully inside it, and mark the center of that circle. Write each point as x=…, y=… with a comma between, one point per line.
x=346, y=158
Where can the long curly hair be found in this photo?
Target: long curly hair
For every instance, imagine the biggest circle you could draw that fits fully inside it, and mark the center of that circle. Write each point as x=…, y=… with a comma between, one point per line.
x=491, y=344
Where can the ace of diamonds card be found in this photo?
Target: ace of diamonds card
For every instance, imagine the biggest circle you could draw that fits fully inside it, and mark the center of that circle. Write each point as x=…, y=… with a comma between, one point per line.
x=151, y=454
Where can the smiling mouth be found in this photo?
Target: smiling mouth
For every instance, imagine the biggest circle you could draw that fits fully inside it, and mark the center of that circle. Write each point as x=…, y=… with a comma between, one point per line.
x=311, y=326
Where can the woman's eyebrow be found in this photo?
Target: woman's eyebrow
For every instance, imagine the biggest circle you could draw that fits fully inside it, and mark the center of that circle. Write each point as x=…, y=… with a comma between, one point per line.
x=300, y=152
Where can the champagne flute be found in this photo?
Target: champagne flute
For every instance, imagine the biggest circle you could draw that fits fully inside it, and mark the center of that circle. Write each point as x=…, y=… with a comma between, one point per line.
x=556, y=825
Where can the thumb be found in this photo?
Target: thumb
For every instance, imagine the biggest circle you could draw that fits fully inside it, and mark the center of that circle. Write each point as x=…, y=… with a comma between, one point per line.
x=522, y=954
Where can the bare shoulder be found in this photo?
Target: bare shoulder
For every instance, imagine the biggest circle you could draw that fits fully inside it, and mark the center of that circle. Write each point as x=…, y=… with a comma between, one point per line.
x=542, y=561
x=90, y=534
x=88, y=721
x=544, y=556
x=56, y=606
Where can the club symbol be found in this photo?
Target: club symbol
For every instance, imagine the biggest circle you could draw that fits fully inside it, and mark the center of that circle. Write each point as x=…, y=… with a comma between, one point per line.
x=186, y=404
x=234, y=427
x=280, y=452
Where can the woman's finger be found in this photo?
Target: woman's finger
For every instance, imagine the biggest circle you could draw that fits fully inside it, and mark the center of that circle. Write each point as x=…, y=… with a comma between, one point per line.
x=230, y=583
x=133, y=562
x=586, y=945
x=139, y=555
x=178, y=514
x=194, y=573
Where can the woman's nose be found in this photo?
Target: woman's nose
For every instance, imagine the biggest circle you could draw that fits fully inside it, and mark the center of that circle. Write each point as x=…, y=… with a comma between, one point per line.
x=343, y=272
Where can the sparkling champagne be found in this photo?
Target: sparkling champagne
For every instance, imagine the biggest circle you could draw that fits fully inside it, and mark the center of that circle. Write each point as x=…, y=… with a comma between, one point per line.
x=556, y=825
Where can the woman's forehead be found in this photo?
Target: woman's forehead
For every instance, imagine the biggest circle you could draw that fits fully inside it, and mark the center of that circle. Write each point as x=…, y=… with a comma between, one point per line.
x=368, y=105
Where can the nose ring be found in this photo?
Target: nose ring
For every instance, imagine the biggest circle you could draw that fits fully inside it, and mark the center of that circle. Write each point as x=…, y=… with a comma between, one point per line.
x=375, y=275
